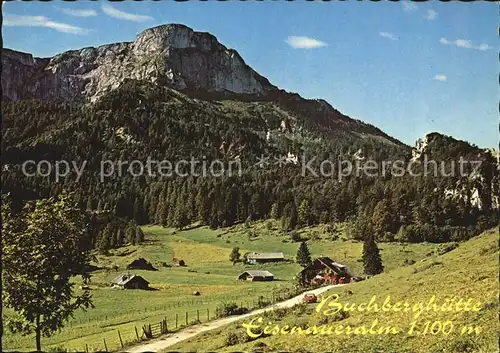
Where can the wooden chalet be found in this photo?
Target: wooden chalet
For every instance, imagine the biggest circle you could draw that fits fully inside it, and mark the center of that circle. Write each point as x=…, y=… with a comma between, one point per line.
x=324, y=270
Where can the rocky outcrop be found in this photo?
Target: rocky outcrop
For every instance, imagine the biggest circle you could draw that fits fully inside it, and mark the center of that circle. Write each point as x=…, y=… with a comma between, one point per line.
x=172, y=55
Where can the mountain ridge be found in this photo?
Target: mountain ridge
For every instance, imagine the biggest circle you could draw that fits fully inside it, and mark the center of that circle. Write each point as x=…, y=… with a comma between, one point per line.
x=172, y=55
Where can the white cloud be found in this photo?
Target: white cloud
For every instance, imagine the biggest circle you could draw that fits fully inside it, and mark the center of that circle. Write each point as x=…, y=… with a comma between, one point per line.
x=112, y=12
x=409, y=6
x=431, y=15
x=465, y=43
x=77, y=13
x=483, y=47
x=304, y=42
x=441, y=78
x=41, y=21
x=388, y=35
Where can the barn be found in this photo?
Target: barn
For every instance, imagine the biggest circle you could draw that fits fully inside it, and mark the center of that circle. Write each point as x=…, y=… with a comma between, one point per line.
x=255, y=258
x=325, y=270
x=256, y=276
x=128, y=281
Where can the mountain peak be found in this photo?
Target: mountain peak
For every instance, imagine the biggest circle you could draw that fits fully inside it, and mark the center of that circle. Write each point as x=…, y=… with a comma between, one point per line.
x=177, y=36
x=173, y=55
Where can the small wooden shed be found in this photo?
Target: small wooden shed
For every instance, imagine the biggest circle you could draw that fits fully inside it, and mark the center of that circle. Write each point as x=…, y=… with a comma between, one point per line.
x=127, y=281
x=256, y=276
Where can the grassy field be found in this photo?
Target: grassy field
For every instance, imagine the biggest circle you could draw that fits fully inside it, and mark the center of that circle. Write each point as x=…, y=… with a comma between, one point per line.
x=208, y=270
x=468, y=272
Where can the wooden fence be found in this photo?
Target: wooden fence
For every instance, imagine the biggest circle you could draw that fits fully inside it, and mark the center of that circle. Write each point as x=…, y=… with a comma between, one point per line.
x=156, y=329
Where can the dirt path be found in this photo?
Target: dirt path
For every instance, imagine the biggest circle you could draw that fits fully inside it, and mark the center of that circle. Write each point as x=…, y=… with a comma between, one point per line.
x=189, y=332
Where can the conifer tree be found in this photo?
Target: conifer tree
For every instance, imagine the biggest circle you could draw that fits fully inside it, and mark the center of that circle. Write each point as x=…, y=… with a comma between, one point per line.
x=235, y=255
x=139, y=235
x=275, y=211
x=372, y=262
x=303, y=255
x=304, y=214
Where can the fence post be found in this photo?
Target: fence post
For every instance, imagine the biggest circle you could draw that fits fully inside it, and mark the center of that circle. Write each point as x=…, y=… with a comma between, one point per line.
x=208, y=314
x=120, y=337
x=176, y=320
x=136, y=334
x=105, y=346
x=197, y=315
x=86, y=348
x=187, y=318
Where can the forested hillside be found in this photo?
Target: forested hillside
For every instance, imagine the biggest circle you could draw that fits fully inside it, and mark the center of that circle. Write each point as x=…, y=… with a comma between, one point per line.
x=141, y=120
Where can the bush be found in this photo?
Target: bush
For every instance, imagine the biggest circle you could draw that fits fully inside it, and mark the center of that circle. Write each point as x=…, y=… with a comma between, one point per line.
x=235, y=337
x=228, y=309
x=315, y=235
x=489, y=249
x=444, y=250
x=427, y=266
x=262, y=302
x=409, y=262
x=295, y=237
x=231, y=339
x=321, y=319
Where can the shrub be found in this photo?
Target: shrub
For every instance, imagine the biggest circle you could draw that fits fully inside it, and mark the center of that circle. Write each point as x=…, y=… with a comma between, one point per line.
x=427, y=266
x=489, y=249
x=315, y=235
x=321, y=319
x=409, y=262
x=295, y=237
x=228, y=309
x=231, y=339
x=444, y=250
x=461, y=344
x=259, y=346
x=262, y=302
x=235, y=337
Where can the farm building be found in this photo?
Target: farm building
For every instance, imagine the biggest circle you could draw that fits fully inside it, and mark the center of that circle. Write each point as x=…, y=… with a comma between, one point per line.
x=128, y=281
x=325, y=270
x=256, y=276
x=141, y=264
x=254, y=258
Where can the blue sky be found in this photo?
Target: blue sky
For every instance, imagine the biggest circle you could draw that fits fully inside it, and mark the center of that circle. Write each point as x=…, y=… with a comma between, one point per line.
x=408, y=68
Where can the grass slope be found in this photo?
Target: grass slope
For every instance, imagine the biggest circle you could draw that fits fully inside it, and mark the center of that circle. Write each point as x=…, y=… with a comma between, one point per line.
x=470, y=271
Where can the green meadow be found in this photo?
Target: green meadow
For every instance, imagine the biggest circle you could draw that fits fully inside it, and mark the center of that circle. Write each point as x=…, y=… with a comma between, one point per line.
x=467, y=272
x=209, y=271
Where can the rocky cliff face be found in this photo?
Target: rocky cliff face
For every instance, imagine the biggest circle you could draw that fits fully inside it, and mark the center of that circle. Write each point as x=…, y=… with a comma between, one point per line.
x=172, y=55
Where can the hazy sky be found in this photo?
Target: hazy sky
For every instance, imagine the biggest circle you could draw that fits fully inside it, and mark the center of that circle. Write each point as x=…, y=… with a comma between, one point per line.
x=408, y=68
